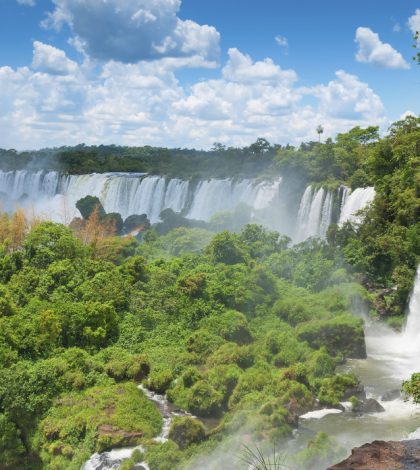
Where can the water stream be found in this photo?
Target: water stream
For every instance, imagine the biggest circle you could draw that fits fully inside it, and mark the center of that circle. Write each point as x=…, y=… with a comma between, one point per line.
x=112, y=459
x=392, y=358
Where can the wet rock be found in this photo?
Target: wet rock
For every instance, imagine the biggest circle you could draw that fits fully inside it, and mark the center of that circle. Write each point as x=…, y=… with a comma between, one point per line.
x=391, y=395
x=115, y=437
x=382, y=455
x=368, y=406
x=357, y=391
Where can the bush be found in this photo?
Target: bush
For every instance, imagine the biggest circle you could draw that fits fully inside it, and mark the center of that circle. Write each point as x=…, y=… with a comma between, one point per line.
x=50, y=242
x=87, y=205
x=204, y=400
x=97, y=419
x=342, y=335
x=186, y=430
x=121, y=365
x=159, y=381
x=226, y=248
x=231, y=353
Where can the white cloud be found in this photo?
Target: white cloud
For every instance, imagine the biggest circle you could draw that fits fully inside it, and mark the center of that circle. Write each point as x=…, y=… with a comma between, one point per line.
x=135, y=30
x=406, y=114
x=282, y=41
x=51, y=60
x=348, y=98
x=240, y=68
x=144, y=103
x=414, y=23
x=373, y=51
x=30, y=3
x=396, y=28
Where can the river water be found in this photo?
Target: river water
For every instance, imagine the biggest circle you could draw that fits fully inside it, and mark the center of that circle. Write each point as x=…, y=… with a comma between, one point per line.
x=391, y=358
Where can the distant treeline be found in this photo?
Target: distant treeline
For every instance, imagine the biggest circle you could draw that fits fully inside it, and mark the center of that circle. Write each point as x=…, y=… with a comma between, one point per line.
x=347, y=159
x=217, y=162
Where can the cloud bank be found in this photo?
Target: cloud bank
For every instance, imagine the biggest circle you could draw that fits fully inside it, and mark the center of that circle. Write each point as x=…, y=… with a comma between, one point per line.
x=373, y=51
x=134, y=30
x=57, y=101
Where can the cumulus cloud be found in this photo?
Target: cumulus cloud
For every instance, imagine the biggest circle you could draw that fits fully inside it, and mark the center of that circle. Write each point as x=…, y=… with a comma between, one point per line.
x=135, y=30
x=51, y=60
x=240, y=68
x=414, y=22
x=30, y=3
x=144, y=103
x=373, y=51
x=282, y=41
x=348, y=98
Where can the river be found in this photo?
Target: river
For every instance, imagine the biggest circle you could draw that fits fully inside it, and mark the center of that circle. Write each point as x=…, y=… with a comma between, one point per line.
x=391, y=358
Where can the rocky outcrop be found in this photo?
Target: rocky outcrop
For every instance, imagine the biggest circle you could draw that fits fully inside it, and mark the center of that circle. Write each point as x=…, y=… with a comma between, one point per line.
x=381, y=455
x=368, y=406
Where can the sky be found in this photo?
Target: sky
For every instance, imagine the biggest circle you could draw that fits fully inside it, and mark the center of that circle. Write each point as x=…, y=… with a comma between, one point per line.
x=188, y=73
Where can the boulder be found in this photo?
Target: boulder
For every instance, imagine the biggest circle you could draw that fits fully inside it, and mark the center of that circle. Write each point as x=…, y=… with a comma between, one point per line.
x=368, y=406
x=381, y=455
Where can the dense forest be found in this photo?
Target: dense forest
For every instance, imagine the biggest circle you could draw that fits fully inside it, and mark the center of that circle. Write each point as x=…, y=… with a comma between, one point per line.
x=240, y=328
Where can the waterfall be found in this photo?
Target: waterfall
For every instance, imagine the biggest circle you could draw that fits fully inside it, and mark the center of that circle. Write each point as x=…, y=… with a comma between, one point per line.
x=215, y=195
x=54, y=196
x=354, y=202
x=132, y=193
x=315, y=213
x=401, y=350
x=412, y=326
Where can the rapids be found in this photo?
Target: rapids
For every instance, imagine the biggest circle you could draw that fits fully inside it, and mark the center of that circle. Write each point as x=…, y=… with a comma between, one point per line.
x=392, y=358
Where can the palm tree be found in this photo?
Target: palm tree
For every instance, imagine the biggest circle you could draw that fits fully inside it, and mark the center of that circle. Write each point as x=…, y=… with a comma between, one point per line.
x=319, y=130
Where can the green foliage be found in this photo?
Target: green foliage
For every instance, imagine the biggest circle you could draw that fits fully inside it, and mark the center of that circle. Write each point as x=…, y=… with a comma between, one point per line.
x=225, y=248
x=204, y=400
x=12, y=450
x=97, y=419
x=237, y=331
x=163, y=456
x=50, y=242
x=411, y=388
x=321, y=451
x=160, y=380
x=186, y=431
x=88, y=205
x=340, y=335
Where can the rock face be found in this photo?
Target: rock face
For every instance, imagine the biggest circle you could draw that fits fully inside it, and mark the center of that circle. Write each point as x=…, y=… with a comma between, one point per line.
x=369, y=406
x=381, y=455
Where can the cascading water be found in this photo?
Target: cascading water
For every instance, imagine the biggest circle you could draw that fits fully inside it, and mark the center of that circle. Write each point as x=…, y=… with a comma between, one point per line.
x=392, y=358
x=112, y=459
x=54, y=196
x=353, y=203
x=315, y=214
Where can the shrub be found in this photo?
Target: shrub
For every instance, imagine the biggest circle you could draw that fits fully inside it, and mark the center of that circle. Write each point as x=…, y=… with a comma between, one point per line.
x=186, y=430
x=204, y=400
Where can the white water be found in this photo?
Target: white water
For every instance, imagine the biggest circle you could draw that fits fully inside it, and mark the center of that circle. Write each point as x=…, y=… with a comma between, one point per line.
x=54, y=196
x=353, y=203
x=315, y=214
x=392, y=358
x=112, y=459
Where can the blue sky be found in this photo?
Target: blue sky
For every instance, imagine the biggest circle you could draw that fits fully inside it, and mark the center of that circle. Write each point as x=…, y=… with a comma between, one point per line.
x=189, y=73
